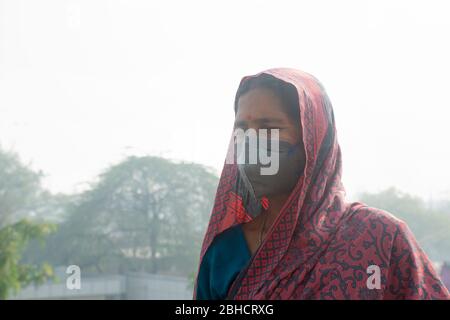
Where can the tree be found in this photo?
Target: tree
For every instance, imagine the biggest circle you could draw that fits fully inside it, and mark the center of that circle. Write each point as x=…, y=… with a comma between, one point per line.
x=13, y=240
x=144, y=214
x=19, y=189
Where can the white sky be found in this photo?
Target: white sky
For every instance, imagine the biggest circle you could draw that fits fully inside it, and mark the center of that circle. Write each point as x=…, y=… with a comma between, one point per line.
x=85, y=83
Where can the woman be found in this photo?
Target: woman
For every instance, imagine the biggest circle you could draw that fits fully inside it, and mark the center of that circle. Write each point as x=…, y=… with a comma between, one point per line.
x=292, y=235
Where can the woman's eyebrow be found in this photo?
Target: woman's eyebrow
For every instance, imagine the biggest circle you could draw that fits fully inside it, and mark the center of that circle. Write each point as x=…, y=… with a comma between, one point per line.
x=264, y=121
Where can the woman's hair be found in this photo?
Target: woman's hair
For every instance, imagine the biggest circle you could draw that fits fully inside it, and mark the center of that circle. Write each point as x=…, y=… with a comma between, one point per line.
x=286, y=92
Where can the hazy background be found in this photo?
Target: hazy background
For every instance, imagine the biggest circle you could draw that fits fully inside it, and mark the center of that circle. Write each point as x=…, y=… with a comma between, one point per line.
x=85, y=85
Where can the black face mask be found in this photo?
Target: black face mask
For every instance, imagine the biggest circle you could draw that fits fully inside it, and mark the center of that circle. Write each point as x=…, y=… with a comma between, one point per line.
x=291, y=166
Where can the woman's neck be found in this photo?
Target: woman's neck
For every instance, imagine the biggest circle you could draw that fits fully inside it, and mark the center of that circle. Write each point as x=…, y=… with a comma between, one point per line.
x=276, y=203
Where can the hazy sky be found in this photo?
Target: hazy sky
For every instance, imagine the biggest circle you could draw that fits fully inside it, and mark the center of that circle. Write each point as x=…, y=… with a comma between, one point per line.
x=85, y=83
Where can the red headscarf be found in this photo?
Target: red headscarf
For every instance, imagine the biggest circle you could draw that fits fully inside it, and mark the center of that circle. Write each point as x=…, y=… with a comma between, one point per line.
x=320, y=246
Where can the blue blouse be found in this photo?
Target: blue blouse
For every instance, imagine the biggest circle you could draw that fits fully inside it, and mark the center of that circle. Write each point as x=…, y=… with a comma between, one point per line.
x=222, y=262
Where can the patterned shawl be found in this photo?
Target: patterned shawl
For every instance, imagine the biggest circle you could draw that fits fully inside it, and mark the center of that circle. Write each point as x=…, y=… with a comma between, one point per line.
x=321, y=246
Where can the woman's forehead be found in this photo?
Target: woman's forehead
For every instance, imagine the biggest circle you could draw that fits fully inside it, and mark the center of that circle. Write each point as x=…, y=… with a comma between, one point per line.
x=259, y=103
x=263, y=109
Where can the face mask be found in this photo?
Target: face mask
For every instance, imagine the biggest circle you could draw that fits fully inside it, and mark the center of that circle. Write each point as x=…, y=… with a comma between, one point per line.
x=291, y=165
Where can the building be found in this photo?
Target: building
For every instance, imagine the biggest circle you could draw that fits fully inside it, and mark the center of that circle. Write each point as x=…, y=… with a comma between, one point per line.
x=127, y=287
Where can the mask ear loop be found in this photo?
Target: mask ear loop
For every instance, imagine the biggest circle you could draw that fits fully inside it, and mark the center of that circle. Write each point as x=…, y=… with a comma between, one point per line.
x=265, y=203
x=247, y=182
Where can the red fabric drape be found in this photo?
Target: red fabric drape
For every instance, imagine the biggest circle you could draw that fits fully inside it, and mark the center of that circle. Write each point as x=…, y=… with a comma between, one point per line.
x=321, y=246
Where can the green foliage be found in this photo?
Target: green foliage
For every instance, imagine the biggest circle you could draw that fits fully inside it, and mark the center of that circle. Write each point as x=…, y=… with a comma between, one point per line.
x=145, y=214
x=19, y=188
x=19, y=193
x=13, y=239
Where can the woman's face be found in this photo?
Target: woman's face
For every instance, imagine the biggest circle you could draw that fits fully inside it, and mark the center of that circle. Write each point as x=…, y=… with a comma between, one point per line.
x=262, y=109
